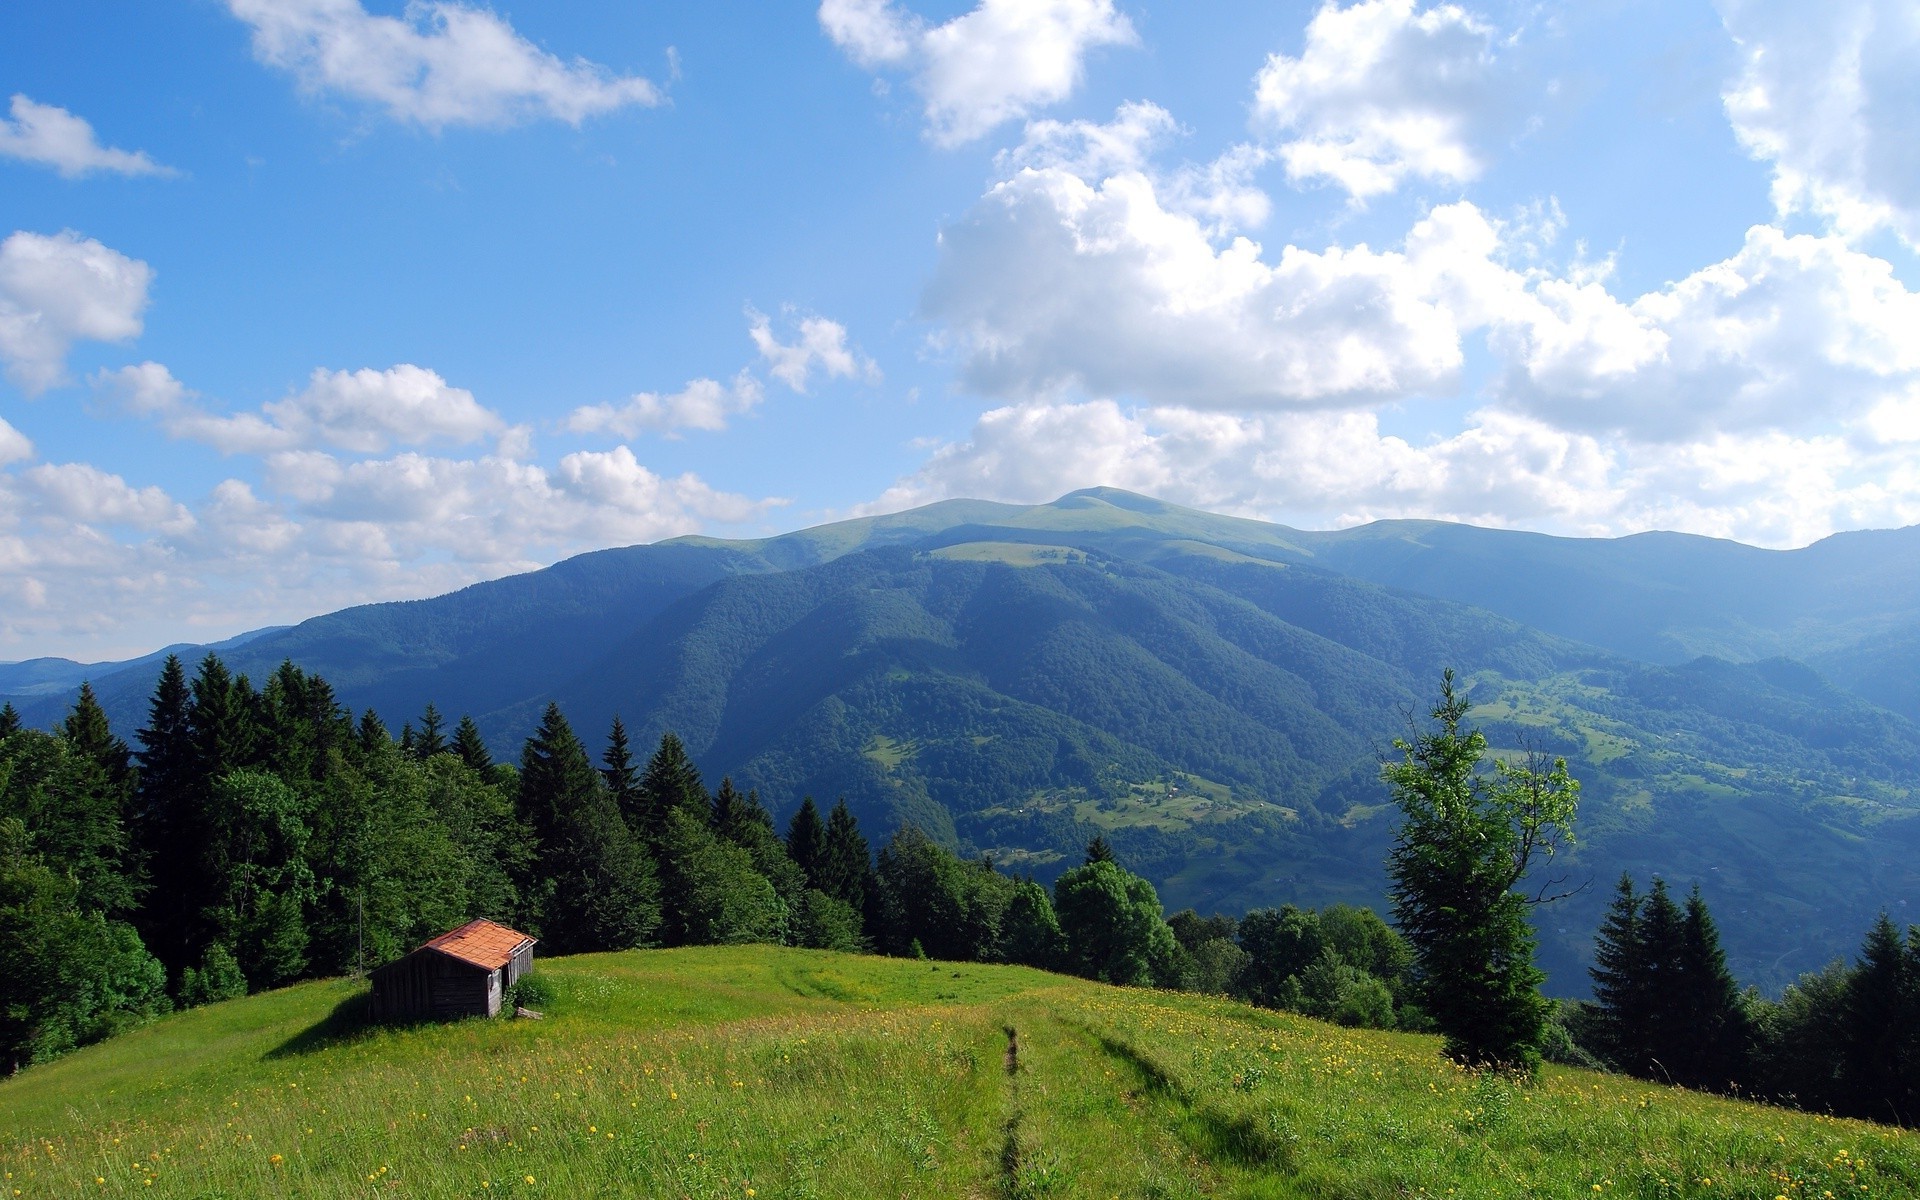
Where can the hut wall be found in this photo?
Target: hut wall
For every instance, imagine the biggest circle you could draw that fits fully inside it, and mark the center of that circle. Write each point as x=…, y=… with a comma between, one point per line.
x=429, y=984
x=519, y=964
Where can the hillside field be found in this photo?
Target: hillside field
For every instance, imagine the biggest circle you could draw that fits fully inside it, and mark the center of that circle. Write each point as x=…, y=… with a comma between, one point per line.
x=755, y=1072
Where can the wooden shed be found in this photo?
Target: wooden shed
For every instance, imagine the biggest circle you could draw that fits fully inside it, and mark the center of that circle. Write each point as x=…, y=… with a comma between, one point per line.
x=462, y=973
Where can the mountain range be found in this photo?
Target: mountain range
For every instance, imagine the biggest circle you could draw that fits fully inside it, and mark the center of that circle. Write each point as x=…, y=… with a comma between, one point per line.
x=1213, y=694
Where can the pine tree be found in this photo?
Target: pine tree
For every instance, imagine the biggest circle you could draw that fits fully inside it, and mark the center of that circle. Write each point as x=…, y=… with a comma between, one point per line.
x=670, y=782
x=807, y=843
x=371, y=733
x=431, y=739
x=471, y=747
x=1882, y=1002
x=848, y=864
x=623, y=779
x=1662, y=950
x=1098, y=850
x=9, y=719
x=605, y=894
x=166, y=829
x=222, y=721
x=1619, y=982
x=91, y=802
x=1713, y=1051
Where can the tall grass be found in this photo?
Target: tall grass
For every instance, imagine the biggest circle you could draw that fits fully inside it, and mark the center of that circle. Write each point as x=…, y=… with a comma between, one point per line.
x=757, y=1072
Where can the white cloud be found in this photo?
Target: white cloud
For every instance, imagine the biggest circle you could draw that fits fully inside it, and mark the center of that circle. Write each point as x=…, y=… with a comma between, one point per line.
x=1827, y=94
x=994, y=64
x=1053, y=284
x=14, y=445
x=365, y=411
x=54, y=137
x=1790, y=334
x=704, y=404
x=1383, y=91
x=86, y=495
x=1316, y=470
x=819, y=343
x=440, y=63
x=55, y=291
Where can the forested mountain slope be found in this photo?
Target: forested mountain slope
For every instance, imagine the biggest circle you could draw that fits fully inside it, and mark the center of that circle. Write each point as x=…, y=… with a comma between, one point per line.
x=1214, y=694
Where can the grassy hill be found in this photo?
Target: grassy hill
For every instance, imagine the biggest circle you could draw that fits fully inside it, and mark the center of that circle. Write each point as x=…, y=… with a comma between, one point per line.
x=750, y=1073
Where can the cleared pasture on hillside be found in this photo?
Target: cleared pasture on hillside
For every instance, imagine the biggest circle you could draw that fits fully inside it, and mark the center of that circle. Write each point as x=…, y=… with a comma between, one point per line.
x=758, y=1072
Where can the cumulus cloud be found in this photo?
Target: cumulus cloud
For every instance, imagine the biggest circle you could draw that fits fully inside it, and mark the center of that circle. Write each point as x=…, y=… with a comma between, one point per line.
x=1827, y=95
x=132, y=564
x=1383, y=91
x=703, y=404
x=60, y=289
x=1055, y=284
x=818, y=343
x=1318, y=469
x=365, y=411
x=54, y=137
x=997, y=63
x=440, y=63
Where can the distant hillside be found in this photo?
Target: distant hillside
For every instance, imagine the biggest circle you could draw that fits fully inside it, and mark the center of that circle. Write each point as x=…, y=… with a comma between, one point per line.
x=762, y=1072
x=1215, y=694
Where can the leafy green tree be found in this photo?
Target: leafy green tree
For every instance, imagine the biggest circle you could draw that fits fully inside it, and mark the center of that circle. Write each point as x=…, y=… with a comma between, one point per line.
x=925, y=895
x=823, y=922
x=605, y=894
x=1280, y=944
x=1030, y=931
x=1466, y=840
x=72, y=809
x=68, y=976
x=1114, y=928
x=471, y=747
x=1803, y=1041
x=217, y=978
x=745, y=822
x=258, y=857
x=710, y=892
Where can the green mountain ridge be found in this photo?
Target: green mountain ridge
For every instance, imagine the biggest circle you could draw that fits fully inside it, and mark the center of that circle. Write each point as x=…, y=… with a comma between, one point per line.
x=1213, y=694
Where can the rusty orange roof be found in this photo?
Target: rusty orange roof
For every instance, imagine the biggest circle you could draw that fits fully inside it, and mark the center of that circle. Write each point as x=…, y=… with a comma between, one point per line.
x=482, y=943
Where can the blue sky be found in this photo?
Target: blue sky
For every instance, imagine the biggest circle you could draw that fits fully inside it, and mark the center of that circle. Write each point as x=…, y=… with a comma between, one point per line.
x=305, y=303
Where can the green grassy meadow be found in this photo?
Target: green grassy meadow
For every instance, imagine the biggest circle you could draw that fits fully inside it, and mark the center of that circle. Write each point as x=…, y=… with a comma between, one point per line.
x=757, y=1072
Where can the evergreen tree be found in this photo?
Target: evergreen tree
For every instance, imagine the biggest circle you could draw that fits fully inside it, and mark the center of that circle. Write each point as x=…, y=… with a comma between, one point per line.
x=371, y=733
x=847, y=864
x=221, y=721
x=745, y=822
x=471, y=747
x=1464, y=843
x=710, y=892
x=670, y=782
x=605, y=894
x=1713, y=1052
x=431, y=739
x=623, y=778
x=167, y=828
x=1662, y=949
x=103, y=783
x=9, y=719
x=73, y=814
x=1098, y=850
x=1620, y=982
x=1878, y=1080
x=807, y=843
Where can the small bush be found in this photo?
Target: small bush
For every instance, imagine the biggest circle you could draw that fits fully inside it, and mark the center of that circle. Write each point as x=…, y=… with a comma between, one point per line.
x=532, y=990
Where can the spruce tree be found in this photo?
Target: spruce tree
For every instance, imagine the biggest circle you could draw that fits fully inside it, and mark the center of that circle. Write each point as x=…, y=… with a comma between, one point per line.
x=604, y=892
x=222, y=722
x=1713, y=1053
x=1662, y=950
x=9, y=719
x=670, y=782
x=1619, y=981
x=1098, y=850
x=1464, y=844
x=848, y=863
x=807, y=843
x=623, y=779
x=1882, y=1002
x=471, y=747
x=371, y=733
x=166, y=827
x=431, y=739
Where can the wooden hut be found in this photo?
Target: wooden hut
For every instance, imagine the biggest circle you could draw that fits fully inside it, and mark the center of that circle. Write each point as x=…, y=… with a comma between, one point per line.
x=463, y=973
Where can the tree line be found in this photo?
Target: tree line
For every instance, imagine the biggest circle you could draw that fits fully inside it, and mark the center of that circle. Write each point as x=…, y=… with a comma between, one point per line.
x=250, y=837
